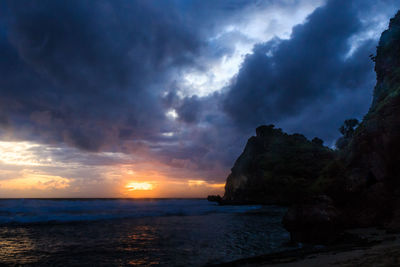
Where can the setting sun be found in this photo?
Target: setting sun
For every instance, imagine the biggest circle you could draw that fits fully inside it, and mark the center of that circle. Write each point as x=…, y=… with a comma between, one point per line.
x=142, y=186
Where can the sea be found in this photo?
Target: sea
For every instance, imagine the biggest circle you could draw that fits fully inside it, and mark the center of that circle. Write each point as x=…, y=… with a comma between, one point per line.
x=135, y=232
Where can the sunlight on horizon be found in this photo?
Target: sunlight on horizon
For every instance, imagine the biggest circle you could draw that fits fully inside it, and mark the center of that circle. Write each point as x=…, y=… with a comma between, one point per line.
x=139, y=186
x=31, y=169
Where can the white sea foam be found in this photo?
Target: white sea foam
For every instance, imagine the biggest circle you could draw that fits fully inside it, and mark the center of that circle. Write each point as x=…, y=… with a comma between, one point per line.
x=71, y=210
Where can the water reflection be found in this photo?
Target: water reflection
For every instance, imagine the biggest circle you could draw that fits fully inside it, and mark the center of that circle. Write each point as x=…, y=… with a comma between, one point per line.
x=141, y=238
x=143, y=233
x=151, y=241
x=14, y=245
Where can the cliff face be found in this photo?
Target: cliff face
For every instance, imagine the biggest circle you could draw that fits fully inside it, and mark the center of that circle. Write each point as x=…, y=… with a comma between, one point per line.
x=373, y=156
x=364, y=185
x=374, y=151
x=275, y=168
x=358, y=186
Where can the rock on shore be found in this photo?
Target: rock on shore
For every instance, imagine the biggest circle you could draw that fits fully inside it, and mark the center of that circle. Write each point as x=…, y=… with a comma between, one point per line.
x=275, y=168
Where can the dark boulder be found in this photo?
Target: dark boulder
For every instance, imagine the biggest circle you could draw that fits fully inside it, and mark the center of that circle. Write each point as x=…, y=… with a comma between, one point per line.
x=315, y=221
x=214, y=198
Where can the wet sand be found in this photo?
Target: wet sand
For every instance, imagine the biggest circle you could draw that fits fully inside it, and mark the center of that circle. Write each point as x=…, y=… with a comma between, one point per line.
x=375, y=248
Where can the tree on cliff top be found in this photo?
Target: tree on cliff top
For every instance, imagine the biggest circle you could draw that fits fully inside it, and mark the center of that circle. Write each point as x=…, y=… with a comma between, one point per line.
x=347, y=130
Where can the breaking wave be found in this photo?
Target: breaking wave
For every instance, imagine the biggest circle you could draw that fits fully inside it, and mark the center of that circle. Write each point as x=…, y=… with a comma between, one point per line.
x=27, y=211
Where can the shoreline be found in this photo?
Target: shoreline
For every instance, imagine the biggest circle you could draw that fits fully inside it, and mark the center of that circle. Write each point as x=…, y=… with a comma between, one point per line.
x=370, y=247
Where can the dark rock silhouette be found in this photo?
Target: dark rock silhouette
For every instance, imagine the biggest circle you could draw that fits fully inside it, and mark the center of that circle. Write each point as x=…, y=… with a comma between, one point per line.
x=364, y=181
x=213, y=198
x=356, y=186
x=315, y=220
x=275, y=168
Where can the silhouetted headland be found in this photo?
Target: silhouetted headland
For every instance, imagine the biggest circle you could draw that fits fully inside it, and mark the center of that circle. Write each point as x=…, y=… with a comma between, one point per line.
x=329, y=191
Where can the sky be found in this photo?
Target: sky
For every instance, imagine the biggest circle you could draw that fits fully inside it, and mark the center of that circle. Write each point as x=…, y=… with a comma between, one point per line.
x=124, y=98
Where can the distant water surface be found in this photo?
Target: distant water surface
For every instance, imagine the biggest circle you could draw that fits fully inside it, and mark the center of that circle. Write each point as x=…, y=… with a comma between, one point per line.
x=134, y=232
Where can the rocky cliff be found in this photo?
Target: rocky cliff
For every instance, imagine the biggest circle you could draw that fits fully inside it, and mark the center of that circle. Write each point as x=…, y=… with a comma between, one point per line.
x=275, y=168
x=372, y=169
x=363, y=183
x=371, y=161
x=358, y=186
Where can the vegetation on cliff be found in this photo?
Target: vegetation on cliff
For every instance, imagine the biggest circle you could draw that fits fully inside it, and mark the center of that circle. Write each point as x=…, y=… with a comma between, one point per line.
x=357, y=185
x=276, y=168
x=363, y=182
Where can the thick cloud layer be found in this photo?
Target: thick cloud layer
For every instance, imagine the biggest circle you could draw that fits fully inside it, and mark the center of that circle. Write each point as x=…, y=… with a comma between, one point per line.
x=92, y=73
x=113, y=75
x=87, y=73
x=314, y=80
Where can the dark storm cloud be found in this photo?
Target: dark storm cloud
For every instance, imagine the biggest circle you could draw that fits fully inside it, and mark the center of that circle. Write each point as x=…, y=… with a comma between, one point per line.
x=283, y=79
x=101, y=75
x=309, y=83
x=91, y=73
x=80, y=71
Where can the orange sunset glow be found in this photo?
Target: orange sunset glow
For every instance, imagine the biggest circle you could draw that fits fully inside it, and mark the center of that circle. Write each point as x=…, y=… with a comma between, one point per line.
x=199, y=132
x=27, y=170
x=134, y=186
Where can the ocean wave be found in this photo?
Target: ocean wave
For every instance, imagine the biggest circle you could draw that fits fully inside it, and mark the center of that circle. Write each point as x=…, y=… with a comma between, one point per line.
x=27, y=211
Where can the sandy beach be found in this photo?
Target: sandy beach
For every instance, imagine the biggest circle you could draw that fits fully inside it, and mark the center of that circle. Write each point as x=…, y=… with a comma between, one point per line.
x=376, y=248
